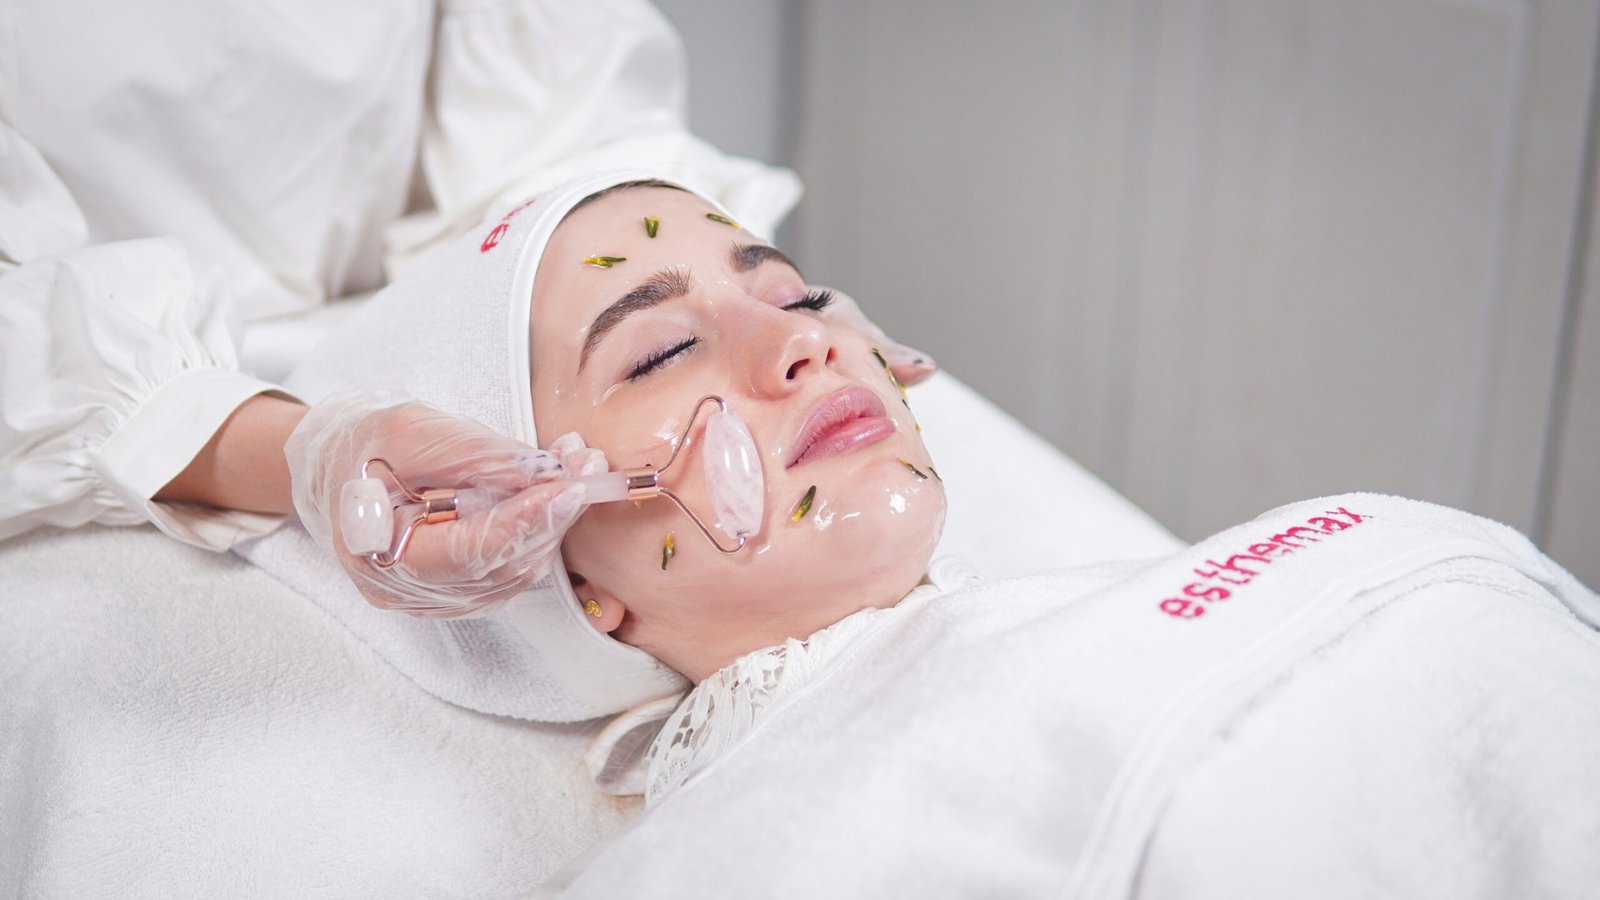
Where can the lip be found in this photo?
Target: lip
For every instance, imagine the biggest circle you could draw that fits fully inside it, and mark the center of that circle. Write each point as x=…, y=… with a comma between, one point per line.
x=841, y=422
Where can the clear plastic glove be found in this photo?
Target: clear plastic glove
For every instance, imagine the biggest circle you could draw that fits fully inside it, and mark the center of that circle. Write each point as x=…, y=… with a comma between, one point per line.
x=507, y=536
x=909, y=364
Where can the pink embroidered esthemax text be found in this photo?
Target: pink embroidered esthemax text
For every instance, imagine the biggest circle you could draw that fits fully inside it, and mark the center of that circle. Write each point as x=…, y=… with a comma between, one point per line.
x=1220, y=580
x=495, y=233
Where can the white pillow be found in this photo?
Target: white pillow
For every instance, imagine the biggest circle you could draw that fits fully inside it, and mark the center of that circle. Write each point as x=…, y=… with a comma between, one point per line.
x=1017, y=504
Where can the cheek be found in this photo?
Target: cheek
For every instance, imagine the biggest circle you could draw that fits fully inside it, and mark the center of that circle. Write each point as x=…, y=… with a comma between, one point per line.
x=855, y=537
x=624, y=549
x=640, y=433
x=618, y=544
x=880, y=510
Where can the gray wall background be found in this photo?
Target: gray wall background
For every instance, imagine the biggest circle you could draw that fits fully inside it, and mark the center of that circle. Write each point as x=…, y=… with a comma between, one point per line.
x=742, y=56
x=1225, y=253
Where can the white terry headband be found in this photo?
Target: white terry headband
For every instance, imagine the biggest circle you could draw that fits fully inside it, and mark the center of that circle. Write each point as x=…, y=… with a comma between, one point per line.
x=469, y=303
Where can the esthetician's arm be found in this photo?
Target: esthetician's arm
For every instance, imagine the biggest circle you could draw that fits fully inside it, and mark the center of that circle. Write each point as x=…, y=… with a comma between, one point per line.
x=242, y=467
x=121, y=403
x=257, y=457
x=117, y=373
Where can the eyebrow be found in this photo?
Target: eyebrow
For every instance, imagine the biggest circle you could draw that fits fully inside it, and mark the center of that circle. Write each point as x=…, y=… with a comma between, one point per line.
x=745, y=257
x=668, y=284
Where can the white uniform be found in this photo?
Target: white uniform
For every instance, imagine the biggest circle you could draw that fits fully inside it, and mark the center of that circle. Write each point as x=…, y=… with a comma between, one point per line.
x=172, y=170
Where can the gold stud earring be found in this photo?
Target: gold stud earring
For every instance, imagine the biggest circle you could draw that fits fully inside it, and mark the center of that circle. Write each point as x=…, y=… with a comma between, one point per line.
x=590, y=607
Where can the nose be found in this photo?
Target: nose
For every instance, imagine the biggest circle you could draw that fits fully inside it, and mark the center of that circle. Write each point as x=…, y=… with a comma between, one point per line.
x=782, y=350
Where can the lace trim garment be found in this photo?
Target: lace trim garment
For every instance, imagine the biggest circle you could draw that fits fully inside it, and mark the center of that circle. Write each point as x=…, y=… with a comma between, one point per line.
x=719, y=712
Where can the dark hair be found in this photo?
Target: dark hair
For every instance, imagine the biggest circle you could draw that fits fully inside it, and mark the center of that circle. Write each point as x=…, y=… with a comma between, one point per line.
x=624, y=186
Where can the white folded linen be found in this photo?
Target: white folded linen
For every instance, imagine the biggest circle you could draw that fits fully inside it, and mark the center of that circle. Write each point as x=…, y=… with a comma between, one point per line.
x=176, y=723
x=1358, y=696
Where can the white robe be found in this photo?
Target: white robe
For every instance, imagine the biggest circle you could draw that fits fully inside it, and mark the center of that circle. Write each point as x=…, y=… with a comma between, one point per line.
x=172, y=169
x=1398, y=702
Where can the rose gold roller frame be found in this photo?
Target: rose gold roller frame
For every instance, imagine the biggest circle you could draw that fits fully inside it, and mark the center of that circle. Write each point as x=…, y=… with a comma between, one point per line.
x=643, y=483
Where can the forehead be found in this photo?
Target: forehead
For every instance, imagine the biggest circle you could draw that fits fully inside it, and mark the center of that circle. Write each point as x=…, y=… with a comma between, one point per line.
x=620, y=214
x=568, y=293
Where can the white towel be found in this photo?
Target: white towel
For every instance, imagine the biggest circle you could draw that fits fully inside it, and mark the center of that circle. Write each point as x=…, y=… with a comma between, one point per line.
x=175, y=723
x=1393, y=700
x=454, y=332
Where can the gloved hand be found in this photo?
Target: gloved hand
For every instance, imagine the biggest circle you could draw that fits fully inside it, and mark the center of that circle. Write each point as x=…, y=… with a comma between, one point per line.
x=504, y=540
x=908, y=364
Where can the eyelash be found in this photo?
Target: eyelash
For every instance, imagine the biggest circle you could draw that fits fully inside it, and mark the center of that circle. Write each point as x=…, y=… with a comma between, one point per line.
x=658, y=359
x=815, y=300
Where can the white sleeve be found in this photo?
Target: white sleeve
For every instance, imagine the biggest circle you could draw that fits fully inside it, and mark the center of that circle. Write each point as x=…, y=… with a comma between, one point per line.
x=37, y=215
x=116, y=368
x=525, y=94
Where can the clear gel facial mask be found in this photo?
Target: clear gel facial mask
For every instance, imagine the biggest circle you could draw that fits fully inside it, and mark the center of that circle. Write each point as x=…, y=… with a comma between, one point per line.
x=733, y=474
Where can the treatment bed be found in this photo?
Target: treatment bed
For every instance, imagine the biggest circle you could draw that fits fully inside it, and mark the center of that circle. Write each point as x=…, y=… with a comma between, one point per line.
x=179, y=723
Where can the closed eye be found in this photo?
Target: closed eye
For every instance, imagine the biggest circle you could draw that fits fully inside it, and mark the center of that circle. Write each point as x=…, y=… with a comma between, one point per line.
x=661, y=358
x=815, y=300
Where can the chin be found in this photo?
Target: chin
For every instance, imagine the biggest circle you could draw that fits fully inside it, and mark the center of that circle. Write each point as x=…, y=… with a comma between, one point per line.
x=875, y=538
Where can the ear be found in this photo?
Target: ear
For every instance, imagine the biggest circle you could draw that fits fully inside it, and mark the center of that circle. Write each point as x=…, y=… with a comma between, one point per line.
x=593, y=599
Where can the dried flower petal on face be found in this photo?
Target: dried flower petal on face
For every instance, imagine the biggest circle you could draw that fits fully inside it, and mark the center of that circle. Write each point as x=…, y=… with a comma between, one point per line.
x=724, y=220
x=893, y=379
x=804, y=506
x=651, y=223
x=907, y=404
x=914, y=470
x=669, y=549
x=603, y=262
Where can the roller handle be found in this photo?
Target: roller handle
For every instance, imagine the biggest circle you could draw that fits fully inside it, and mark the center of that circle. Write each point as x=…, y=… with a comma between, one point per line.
x=604, y=487
x=367, y=514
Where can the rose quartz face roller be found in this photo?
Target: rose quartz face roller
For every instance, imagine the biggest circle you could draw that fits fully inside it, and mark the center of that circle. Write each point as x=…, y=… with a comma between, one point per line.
x=732, y=467
x=733, y=473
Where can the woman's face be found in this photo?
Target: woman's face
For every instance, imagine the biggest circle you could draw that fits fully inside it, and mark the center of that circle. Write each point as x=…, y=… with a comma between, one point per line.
x=622, y=354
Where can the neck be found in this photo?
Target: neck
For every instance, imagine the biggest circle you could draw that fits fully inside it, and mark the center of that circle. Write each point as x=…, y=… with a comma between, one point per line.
x=699, y=649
